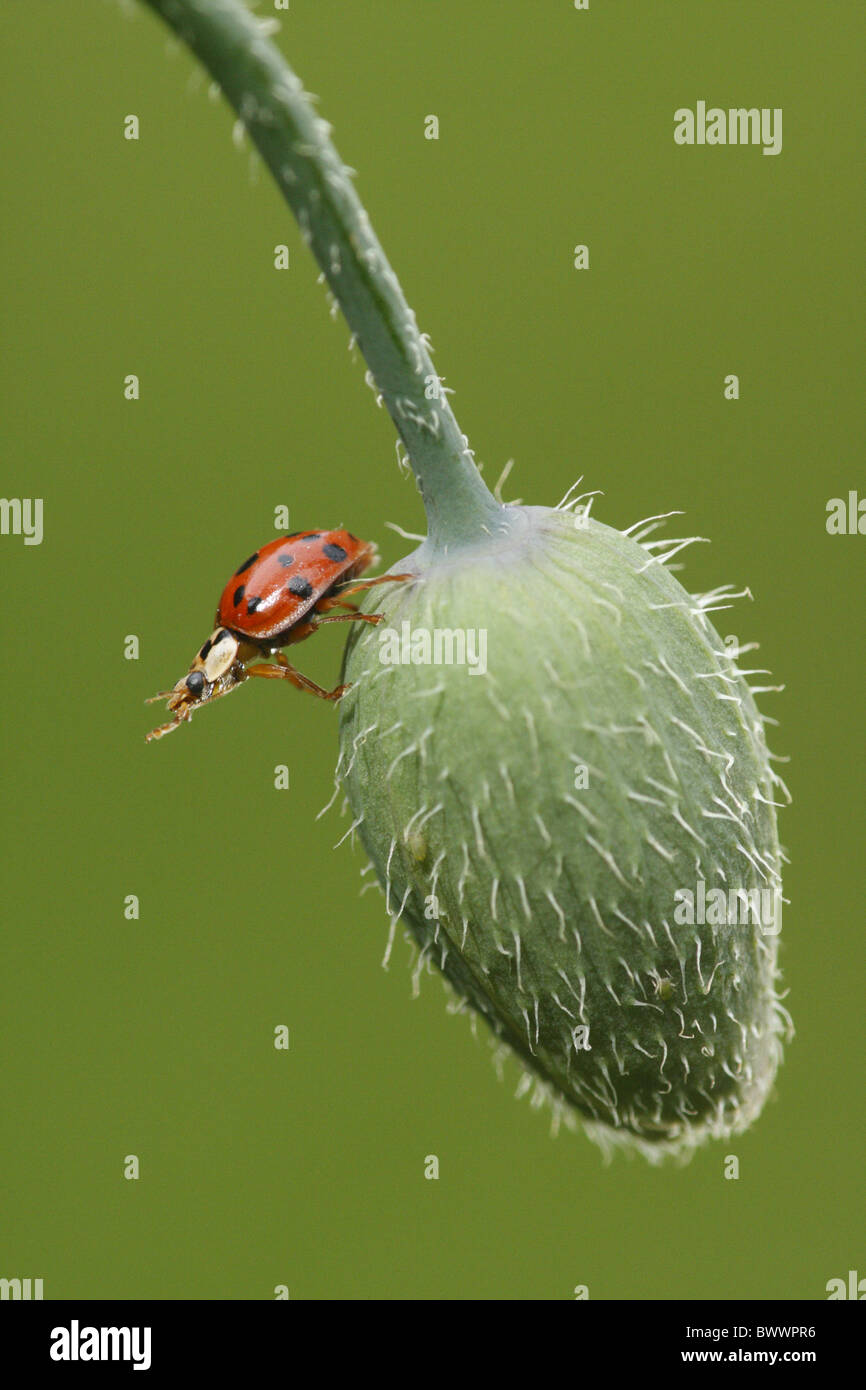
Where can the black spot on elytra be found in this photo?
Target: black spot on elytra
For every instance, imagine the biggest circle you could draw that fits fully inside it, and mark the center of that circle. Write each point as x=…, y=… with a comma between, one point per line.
x=301, y=588
x=205, y=649
x=238, y=595
x=195, y=682
x=254, y=603
x=334, y=552
x=246, y=564
x=285, y=560
x=313, y=536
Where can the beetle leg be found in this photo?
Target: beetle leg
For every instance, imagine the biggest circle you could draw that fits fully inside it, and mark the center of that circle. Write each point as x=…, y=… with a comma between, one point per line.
x=332, y=601
x=371, y=583
x=183, y=716
x=281, y=670
x=302, y=630
x=351, y=618
x=163, y=729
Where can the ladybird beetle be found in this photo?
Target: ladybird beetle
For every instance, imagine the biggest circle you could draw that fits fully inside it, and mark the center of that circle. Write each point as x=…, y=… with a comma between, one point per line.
x=279, y=596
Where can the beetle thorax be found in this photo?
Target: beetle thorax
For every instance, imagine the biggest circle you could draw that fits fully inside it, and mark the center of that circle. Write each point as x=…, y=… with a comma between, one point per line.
x=218, y=655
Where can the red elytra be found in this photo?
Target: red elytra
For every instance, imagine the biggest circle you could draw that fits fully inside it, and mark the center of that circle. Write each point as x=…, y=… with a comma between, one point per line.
x=281, y=595
x=278, y=585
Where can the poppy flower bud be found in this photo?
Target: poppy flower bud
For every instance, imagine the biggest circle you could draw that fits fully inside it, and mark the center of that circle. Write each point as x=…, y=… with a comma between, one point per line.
x=562, y=780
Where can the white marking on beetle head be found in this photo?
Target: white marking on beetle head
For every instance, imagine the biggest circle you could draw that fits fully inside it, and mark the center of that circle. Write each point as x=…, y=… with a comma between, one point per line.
x=221, y=656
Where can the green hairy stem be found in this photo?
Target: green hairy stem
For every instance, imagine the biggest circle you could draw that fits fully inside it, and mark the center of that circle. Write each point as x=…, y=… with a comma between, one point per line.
x=269, y=99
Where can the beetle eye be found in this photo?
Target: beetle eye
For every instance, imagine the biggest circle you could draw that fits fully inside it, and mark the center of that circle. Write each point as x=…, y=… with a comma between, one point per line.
x=195, y=682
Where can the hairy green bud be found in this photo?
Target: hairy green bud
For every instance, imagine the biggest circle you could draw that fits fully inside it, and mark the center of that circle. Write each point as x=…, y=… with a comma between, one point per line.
x=562, y=780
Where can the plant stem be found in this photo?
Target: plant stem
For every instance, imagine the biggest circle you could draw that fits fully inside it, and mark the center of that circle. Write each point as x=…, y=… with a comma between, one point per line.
x=295, y=143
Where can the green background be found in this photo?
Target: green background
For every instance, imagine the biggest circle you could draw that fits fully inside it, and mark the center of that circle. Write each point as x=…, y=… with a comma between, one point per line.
x=155, y=1037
